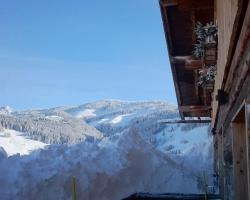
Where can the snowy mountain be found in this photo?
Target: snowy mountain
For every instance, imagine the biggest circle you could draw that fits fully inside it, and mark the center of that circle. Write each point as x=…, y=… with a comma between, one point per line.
x=5, y=110
x=49, y=127
x=113, y=148
x=113, y=116
x=187, y=144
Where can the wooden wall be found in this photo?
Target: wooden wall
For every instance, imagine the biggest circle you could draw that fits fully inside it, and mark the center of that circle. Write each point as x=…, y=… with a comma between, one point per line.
x=227, y=164
x=240, y=155
x=233, y=76
x=226, y=17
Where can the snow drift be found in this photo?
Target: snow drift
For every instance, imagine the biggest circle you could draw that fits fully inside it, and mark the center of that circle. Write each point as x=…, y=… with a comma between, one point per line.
x=111, y=169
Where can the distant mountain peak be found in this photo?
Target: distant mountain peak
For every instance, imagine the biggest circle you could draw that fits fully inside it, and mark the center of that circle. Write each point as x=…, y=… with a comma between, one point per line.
x=5, y=110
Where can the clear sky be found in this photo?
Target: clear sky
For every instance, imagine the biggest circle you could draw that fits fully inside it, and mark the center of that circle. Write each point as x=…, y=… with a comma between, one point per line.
x=61, y=52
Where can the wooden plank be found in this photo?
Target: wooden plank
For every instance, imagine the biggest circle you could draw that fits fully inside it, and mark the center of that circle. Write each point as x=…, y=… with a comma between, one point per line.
x=227, y=20
x=227, y=16
x=193, y=64
x=241, y=74
x=240, y=49
x=196, y=79
x=204, y=96
x=188, y=62
x=170, y=50
x=195, y=5
x=244, y=92
x=240, y=68
x=173, y=196
x=247, y=115
x=240, y=164
x=240, y=156
x=194, y=108
x=185, y=121
x=221, y=161
x=169, y=2
x=195, y=111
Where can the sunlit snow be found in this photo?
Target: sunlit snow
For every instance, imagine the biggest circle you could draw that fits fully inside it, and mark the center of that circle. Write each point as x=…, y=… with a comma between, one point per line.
x=86, y=113
x=15, y=142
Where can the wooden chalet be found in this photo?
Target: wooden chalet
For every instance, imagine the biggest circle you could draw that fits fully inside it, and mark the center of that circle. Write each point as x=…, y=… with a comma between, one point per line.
x=226, y=97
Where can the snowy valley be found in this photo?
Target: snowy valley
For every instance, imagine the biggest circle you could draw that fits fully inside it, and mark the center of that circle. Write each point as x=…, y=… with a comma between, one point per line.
x=113, y=148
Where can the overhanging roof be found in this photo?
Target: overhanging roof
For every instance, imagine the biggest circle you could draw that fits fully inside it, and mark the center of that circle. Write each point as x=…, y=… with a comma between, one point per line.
x=179, y=19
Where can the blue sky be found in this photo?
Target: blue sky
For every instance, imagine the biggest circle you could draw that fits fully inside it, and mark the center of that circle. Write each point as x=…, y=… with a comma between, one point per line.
x=60, y=52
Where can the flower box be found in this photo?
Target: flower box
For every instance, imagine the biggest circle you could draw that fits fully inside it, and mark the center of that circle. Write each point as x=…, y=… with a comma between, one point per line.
x=210, y=54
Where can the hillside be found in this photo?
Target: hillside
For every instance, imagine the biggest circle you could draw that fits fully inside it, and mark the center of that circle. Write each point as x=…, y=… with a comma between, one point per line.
x=113, y=148
x=49, y=127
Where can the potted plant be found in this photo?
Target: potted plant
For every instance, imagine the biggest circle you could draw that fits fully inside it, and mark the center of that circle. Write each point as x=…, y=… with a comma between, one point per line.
x=206, y=77
x=206, y=46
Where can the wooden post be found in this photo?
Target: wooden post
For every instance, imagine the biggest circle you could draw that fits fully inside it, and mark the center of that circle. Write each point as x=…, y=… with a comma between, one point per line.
x=205, y=185
x=221, y=160
x=73, y=188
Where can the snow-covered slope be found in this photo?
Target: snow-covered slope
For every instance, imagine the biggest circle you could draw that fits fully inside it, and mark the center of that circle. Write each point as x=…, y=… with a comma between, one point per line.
x=119, y=113
x=14, y=142
x=113, y=116
x=50, y=127
x=111, y=170
x=113, y=148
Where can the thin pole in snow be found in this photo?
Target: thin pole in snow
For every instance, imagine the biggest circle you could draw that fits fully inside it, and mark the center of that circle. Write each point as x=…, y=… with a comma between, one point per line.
x=73, y=188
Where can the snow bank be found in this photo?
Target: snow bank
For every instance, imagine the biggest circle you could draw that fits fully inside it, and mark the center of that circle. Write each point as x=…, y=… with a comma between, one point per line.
x=112, y=169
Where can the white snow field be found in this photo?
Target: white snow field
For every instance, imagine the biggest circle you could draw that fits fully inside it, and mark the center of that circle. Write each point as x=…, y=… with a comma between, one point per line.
x=113, y=169
x=15, y=142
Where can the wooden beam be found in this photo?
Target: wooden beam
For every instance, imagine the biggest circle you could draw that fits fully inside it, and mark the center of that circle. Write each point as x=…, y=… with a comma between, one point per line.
x=170, y=51
x=188, y=62
x=204, y=96
x=179, y=59
x=194, y=108
x=185, y=121
x=195, y=111
x=247, y=120
x=193, y=64
x=171, y=196
x=221, y=160
x=169, y=2
x=196, y=78
x=187, y=5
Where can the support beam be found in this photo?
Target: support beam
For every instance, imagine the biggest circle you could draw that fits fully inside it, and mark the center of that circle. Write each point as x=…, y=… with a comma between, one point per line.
x=195, y=111
x=188, y=62
x=193, y=64
x=191, y=108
